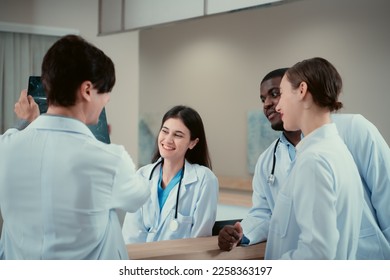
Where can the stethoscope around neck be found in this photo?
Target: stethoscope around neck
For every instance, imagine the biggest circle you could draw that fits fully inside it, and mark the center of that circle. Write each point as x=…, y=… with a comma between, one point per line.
x=174, y=224
x=271, y=177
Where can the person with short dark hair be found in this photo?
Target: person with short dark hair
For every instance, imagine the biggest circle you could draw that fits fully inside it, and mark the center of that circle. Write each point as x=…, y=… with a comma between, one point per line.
x=184, y=190
x=371, y=155
x=319, y=209
x=59, y=186
x=272, y=163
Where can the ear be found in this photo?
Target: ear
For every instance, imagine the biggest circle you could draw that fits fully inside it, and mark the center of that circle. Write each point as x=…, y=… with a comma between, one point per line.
x=302, y=90
x=193, y=143
x=86, y=90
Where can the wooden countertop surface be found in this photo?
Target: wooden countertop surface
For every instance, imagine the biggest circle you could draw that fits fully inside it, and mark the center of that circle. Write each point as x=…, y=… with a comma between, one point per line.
x=202, y=248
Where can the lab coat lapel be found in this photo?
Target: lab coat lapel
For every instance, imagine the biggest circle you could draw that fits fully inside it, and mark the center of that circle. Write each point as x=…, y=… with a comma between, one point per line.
x=155, y=204
x=155, y=207
x=170, y=205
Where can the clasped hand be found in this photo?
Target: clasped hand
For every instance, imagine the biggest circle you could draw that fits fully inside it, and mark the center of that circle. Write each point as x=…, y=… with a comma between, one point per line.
x=230, y=236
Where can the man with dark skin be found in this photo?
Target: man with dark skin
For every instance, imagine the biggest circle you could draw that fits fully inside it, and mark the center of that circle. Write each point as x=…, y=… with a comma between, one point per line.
x=254, y=228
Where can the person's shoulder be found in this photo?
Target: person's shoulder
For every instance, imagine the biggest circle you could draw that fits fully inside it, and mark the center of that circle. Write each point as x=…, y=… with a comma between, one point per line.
x=110, y=148
x=112, y=152
x=266, y=156
x=354, y=124
x=9, y=132
x=202, y=171
x=269, y=151
x=146, y=169
x=360, y=120
x=201, y=168
x=344, y=120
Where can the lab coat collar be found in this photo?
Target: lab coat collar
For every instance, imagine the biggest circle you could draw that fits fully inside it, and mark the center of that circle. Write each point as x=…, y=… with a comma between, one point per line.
x=326, y=131
x=61, y=123
x=190, y=175
x=284, y=139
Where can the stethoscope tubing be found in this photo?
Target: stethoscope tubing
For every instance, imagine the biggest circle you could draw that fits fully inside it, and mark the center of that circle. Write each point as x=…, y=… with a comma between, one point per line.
x=271, y=177
x=178, y=188
x=274, y=157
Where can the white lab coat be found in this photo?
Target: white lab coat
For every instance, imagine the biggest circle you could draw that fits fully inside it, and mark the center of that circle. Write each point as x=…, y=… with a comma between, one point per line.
x=256, y=224
x=197, y=208
x=318, y=211
x=372, y=157
x=59, y=188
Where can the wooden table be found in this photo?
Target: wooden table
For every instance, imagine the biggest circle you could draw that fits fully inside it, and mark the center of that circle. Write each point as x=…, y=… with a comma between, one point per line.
x=202, y=248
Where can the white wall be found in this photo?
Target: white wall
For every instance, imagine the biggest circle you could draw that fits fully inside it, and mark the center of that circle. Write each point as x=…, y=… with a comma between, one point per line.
x=215, y=64
x=82, y=15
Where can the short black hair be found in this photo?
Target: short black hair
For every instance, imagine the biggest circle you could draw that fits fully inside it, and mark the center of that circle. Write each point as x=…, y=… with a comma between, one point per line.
x=68, y=63
x=277, y=73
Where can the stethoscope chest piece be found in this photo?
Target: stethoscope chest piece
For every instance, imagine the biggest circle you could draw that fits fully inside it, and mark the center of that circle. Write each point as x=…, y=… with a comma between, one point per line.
x=174, y=225
x=271, y=179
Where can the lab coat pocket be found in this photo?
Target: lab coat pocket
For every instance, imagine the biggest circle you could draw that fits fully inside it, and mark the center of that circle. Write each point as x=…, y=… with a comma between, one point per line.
x=281, y=215
x=184, y=226
x=370, y=245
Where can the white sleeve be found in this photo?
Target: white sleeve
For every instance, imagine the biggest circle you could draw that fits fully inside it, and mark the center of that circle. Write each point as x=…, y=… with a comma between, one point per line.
x=372, y=157
x=130, y=190
x=256, y=224
x=133, y=229
x=206, y=208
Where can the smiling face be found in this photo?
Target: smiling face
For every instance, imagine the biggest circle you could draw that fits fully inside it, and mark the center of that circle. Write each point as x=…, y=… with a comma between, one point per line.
x=289, y=106
x=269, y=96
x=174, y=140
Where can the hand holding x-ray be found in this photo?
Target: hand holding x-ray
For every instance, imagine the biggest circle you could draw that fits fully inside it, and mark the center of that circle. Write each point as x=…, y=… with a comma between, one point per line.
x=26, y=108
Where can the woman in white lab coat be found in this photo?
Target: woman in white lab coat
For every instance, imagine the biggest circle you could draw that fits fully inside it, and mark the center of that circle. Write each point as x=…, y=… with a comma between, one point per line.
x=184, y=190
x=318, y=211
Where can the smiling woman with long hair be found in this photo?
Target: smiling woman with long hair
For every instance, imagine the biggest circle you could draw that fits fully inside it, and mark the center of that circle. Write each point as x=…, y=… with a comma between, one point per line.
x=184, y=197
